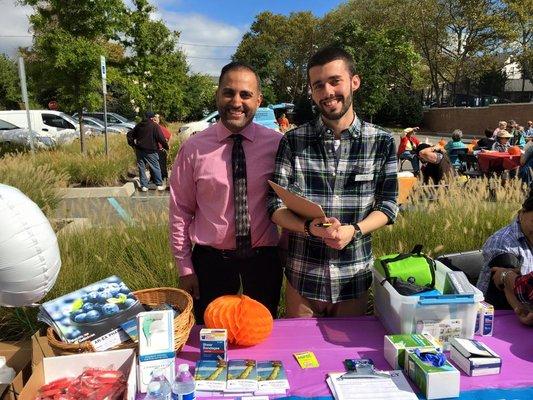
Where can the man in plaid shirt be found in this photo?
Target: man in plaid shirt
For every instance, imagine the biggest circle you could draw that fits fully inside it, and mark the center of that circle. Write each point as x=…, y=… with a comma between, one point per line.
x=347, y=166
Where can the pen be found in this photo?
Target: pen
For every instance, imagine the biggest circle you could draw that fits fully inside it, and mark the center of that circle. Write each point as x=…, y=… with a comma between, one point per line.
x=324, y=225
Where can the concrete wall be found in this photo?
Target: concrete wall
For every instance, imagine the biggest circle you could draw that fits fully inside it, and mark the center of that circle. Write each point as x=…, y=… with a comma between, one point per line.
x=475, y=120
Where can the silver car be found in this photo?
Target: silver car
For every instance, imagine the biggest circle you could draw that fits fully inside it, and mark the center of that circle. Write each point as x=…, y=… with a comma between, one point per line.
x=97, y=126
x=10, y=133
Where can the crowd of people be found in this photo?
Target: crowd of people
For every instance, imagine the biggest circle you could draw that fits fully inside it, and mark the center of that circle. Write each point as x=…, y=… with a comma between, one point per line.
x=224, y=218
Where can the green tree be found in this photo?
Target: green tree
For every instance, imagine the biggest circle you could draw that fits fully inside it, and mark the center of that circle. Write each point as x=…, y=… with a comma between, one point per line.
x=200, y=97
x=278, y=47
x=9, y=84
x=68, y=42
x=519, y=13
x=156, y=65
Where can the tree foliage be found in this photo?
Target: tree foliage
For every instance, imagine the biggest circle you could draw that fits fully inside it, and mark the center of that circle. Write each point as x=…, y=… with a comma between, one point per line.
x=9, y=88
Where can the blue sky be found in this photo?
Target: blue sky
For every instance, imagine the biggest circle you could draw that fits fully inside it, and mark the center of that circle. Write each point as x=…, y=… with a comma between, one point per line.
x=210, y=29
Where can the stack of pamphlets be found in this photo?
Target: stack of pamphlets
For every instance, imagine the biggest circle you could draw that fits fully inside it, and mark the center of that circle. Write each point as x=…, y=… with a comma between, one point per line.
x=216, y=377
x=94, y=313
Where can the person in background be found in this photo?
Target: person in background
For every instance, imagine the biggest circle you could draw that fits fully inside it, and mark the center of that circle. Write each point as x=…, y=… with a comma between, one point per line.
x=526, y=163
x=502, y=141
x=518, y=138
x=511, y=248
x=502, y=125
x=518, y=291
x=528, y=132
x=455, y=144
x=407, y=147
x=487, y=142
x=145, y=138
x=162, y=152
x=283, y=122
x=221, y=235
x=436, y=164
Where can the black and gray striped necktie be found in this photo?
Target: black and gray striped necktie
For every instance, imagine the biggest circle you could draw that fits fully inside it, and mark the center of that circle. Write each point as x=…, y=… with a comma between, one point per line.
x=242, y=217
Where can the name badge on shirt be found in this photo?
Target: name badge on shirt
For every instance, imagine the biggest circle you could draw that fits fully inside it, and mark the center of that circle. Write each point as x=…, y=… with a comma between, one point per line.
x=364, y=177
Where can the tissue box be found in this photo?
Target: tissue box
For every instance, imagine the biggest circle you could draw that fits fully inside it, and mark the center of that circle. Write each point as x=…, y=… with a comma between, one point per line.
x=156, y=346
x=434, y=382
x=474, y=358
x=213, y=344
x=394, y=347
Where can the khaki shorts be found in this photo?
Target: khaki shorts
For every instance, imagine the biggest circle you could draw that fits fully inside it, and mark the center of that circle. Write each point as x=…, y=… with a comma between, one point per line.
x=298, y=306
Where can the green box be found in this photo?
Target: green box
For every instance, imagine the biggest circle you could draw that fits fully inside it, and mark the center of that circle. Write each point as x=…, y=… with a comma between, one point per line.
x=434, y=382
x=394, y=346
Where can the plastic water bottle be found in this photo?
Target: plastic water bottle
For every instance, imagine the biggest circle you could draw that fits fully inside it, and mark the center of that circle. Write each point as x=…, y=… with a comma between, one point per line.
x=159, y=386
x=183, y=387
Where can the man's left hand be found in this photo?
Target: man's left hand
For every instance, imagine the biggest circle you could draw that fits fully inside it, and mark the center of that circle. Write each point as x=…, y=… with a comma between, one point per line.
x=344, y=236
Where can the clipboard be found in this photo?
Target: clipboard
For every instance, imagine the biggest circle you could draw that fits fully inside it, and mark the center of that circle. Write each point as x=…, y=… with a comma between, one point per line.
x=298, y=204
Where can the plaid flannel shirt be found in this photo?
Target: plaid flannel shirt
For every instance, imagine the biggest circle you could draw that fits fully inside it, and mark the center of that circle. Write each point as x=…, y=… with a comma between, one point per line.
x=508, y=240
x=523, y=289
x=362, y=180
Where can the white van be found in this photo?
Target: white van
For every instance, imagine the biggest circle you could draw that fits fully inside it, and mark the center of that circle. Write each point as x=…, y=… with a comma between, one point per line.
x=55, y=124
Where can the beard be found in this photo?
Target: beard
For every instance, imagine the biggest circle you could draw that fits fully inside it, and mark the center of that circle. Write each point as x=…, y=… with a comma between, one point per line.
x=346, y=103
x=232, y=122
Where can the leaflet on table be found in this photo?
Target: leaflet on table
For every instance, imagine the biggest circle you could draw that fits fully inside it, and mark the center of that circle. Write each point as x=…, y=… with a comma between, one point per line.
x=94, y=313
x=241, y=376
x=394, y=387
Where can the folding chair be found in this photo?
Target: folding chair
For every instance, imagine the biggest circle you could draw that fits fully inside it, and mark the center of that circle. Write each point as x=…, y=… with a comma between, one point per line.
x=454, y=156
x=470, y=262
x=470, y=166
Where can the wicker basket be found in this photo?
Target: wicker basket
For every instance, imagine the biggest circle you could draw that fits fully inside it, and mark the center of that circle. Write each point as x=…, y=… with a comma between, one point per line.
x=183, y=323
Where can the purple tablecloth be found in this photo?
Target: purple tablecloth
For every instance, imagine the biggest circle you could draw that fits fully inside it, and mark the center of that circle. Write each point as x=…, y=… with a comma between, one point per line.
x=333, y=340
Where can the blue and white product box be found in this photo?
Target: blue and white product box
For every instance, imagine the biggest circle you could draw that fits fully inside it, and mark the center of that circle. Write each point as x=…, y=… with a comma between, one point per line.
x=156, y=346
x=474, y=358
x=213, y=344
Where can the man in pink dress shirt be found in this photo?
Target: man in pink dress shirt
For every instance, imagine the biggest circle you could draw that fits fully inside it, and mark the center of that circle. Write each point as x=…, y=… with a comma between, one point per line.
x=202, y=214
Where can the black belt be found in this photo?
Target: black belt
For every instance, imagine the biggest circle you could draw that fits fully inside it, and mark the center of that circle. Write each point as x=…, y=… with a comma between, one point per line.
x=232, y=254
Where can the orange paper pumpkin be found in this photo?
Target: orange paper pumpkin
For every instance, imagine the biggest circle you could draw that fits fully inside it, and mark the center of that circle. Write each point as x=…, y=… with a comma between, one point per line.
x=247, y=321
x=514, y=151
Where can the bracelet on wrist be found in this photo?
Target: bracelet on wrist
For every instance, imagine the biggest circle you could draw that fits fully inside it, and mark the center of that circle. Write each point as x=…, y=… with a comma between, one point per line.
x=307, y=228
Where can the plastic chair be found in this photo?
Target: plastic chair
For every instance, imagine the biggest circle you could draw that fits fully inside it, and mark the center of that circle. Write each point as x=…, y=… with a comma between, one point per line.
x=470, y=262
x=454, y=156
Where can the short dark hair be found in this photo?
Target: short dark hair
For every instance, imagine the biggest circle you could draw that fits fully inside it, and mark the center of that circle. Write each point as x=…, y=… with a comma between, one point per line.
x=237, y=65
x=489, y=133
x=527, y=206
x=329, y=54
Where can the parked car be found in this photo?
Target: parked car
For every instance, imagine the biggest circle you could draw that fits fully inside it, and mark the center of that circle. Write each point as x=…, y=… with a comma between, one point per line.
x=55, y=124
x=10, y=133
x=263, y=116
x=97, y=126
x=112, y=119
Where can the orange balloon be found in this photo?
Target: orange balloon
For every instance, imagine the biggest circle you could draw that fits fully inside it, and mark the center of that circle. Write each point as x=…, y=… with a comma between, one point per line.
x=474, y=142
x=247, y=321
x=514, y=151
x=442, y=143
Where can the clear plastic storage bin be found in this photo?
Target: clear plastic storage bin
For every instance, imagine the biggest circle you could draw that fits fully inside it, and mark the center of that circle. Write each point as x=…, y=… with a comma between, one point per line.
x=400, y=314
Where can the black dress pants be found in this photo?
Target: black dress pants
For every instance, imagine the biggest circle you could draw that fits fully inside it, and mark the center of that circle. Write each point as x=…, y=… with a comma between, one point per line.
x=219, y=273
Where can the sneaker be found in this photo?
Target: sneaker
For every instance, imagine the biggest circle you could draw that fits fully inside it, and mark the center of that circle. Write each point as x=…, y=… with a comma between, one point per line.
x=162, y=187
x=144, y=189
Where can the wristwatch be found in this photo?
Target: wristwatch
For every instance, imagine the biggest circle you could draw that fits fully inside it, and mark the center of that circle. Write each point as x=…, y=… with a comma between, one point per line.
x=358, y=234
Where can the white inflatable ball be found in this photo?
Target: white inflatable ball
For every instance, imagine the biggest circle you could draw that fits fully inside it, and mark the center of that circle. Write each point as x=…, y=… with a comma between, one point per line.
x=29, y=254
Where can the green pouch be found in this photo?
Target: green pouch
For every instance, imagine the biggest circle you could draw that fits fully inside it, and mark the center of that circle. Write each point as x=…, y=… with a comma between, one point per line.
x=414, y=268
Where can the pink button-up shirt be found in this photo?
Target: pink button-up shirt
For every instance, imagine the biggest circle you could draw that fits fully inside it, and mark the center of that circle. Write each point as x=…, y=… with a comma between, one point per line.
x=201, y=191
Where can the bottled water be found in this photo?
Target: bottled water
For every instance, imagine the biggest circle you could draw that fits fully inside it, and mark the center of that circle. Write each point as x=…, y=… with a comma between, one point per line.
x=159, y=386
x=183, y=387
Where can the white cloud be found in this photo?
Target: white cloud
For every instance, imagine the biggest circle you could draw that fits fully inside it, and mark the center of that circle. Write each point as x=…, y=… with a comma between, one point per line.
x=194, y=28
x=14, y=27
x=200, y=30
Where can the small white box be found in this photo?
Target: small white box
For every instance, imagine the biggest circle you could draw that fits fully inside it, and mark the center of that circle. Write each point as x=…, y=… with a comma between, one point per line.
x=474, y=358
x=52, y=368
x=156, y=346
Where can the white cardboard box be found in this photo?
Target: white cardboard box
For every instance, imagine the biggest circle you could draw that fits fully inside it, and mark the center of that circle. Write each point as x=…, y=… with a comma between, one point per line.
x=475, y=358
x=52, y=368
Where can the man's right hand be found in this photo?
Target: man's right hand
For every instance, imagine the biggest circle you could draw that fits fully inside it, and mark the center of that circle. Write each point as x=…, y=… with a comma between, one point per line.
x=329, y=232
x=189, y=283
